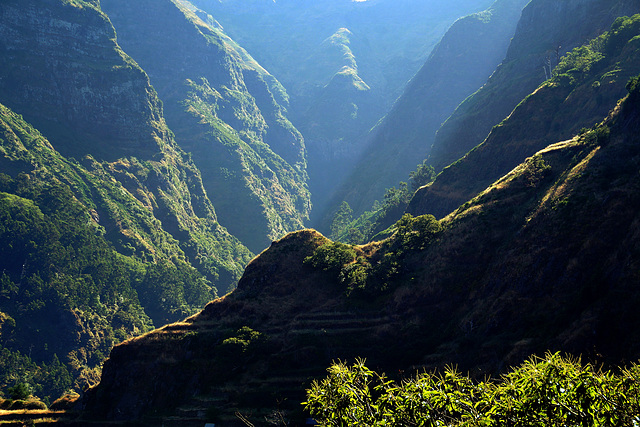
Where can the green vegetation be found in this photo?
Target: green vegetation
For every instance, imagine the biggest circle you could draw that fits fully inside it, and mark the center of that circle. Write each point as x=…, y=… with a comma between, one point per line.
x=331, y=256
x=381, y=215
x=85, y=263
x=372, y=275
x=244, y=340
x=55, y=266
x=585, y=86
x=341, y=220
x=19, y=391
x=594, y=57
x=102, y=247
x=228, y=113
x=549, y=391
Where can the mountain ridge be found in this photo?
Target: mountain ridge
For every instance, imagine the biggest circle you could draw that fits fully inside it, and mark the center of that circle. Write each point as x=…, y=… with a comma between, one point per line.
x=406, y=133
x=546, y=32
x=586, y=84
x=485, y=287
x=220, y=105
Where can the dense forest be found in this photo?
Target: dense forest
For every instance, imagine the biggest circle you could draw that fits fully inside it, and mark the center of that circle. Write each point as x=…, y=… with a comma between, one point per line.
x=473, y=164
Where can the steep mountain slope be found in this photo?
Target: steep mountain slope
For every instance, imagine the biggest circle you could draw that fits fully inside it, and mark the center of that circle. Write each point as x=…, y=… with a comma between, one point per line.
x=547, y=30
x=98, y=243
x=546, y=258
x=225, y=110
x=461, y=62
x=66, y=295
x=586, y=85
x=66, y=75
x=343, y=62
x=400, y=42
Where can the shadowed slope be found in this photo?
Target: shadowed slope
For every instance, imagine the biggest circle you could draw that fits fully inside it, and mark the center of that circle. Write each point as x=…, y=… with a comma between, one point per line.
x=461, y=62
x=538, y=261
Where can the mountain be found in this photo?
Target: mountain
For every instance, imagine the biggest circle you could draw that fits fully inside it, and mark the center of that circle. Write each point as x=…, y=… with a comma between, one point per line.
x=585, y=85
x=67, y=77
x=546, y=31
x=226, y=111
x=343, y=63
x=545, y=258
x=461, y=62
x=107, y=228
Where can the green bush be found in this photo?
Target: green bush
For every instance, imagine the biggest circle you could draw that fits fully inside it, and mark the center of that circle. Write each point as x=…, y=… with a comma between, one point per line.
x=549, y=391
x=331, y=257
x=19, y=391
x=416, y=233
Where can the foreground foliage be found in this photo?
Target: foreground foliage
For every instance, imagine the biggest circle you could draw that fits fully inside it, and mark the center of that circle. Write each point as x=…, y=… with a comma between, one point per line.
x=549, y=391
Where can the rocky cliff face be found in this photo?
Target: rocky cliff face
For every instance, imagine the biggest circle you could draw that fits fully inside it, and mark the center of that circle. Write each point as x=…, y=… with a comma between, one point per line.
x=227, y=111
x=527, y=266
x=61, y=66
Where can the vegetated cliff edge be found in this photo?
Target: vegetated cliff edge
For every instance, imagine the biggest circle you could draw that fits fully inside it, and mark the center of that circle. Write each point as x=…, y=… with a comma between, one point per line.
x=546, y=258
x=225, y=110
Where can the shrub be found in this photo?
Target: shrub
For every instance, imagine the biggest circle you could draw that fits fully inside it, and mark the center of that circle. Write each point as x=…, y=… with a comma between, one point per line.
x=549, y=391
x=331, y=256
x=416, y=233
x=31, y=404
x=20, y=391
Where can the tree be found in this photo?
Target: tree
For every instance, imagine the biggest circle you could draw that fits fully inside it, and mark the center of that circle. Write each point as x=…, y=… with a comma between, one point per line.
x=341, y=220
x=423, y=175
x=20, y=391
